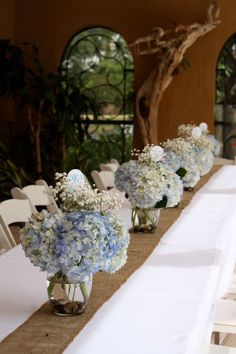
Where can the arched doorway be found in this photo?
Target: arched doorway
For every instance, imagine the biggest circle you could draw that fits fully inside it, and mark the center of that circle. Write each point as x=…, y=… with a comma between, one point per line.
x=100, y=63
x=225, y=108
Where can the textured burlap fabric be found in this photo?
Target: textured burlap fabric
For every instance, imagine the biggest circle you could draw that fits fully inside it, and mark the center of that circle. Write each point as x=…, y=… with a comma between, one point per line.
x=46, y=333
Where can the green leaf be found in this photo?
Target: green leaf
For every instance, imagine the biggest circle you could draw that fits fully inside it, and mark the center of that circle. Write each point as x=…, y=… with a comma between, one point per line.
x=162, y=203
x=181, y=172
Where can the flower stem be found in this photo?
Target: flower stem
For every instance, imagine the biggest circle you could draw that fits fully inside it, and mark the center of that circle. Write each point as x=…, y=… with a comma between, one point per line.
x=133, y=215
x=84, y=291
x=75, y=287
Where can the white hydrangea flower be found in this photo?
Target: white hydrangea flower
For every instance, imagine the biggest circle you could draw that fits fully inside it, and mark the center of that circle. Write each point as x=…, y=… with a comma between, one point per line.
x=150, y=154
x=147, y=182
x=205, y=160
x=201, y=140
x=196, y=133
x=176, y=158
x=156, y=153
x=203, y=126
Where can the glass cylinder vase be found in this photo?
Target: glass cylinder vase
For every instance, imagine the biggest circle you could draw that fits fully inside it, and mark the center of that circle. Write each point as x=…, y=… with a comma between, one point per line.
x=145, y=220
x=68, y=298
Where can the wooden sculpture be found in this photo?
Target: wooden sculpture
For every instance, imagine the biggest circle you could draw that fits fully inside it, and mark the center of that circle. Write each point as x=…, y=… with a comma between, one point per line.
x=169, y=46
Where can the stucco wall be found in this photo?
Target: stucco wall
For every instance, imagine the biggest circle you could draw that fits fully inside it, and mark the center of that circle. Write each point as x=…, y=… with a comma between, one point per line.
x=7, y=30
x=7, y=19
x=51, y=23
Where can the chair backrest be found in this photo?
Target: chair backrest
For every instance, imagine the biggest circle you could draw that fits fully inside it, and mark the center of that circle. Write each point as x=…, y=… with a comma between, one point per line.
x=17, y=193
x=41, y=182
x=115, y=161
x=37, y=194
x=5, y=244
x=104, y=180
x=14, y=211
x=109, y=167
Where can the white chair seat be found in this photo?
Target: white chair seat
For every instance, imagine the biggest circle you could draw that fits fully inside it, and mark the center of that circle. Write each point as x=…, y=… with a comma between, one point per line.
x=108, y=167
x=216, y=349
x=225, y=320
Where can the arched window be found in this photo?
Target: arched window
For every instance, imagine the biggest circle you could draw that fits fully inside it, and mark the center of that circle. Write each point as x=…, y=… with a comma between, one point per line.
x=225, y=110
x=100, y=64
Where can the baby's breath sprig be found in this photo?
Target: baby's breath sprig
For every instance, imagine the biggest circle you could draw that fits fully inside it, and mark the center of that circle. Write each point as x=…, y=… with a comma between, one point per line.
x=82, y=199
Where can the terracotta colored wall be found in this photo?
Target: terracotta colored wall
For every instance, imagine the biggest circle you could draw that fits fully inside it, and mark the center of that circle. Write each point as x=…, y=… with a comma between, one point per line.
x=7, y=19
x=7, y=30
x=51, y=23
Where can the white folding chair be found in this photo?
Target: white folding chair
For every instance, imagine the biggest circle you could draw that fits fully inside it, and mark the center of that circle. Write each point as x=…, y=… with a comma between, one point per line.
x=115, y=161
x=14, y=211
x=108, y=167
x=225, y=319
x=4, y=242
x=216, y=349
x=41, y=182
x=104, y=180
x=38, y=195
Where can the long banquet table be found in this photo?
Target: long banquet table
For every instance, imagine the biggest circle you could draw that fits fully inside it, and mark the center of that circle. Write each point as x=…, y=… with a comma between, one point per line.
x=167, y=305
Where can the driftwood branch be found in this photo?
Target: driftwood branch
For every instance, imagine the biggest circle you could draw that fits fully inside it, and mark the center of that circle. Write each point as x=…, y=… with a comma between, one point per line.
x=169, y=46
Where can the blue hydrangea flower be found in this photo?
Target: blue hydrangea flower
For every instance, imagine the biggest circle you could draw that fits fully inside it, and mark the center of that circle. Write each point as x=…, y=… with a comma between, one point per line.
x=77, y=244
x=147, y=184
x=204, y=160
x=187, y=161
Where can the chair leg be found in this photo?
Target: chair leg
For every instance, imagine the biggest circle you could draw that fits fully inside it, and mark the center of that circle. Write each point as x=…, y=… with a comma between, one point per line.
x=216, y=338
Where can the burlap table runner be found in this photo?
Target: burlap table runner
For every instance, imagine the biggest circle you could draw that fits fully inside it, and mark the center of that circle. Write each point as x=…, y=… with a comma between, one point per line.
x=45, y=333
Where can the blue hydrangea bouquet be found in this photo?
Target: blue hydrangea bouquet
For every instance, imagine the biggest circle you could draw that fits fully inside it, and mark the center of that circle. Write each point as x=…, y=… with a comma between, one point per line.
x=72, y=245
x=149, y=186
x=203, y=146
x=179, y=155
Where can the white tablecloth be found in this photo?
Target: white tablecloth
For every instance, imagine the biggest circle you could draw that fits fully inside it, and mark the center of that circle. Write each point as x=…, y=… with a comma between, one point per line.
x=165, y=307
x=22, y=290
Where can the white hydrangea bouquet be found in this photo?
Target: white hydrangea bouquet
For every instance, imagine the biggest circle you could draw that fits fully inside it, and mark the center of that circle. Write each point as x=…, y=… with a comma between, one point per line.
x=149, y=186
x=83, y=238
x=179, y=156
x=203, y=145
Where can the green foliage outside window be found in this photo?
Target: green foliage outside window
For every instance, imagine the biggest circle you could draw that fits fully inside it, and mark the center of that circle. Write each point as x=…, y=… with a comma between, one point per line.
x=99, y=148
x=99, y=61
x=62, y=113
x=226, y=73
